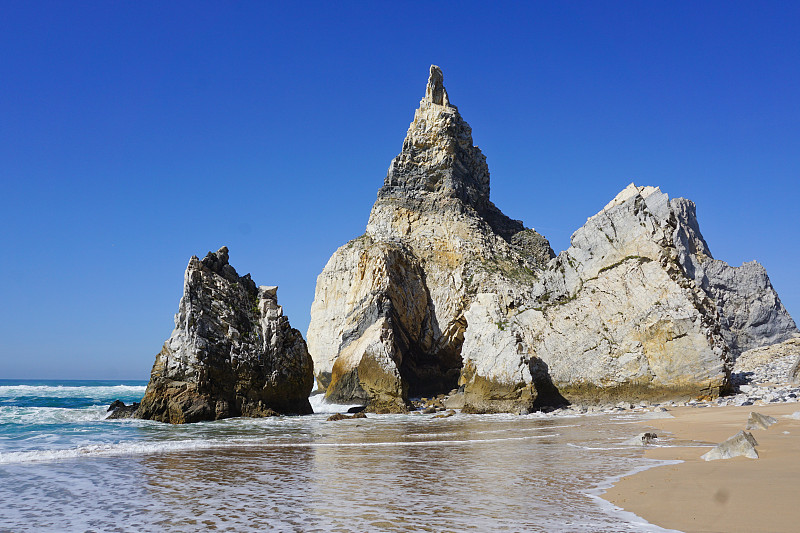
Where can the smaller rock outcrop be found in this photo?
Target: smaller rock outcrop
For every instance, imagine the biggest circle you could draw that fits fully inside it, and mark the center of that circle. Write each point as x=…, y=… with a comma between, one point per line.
x=642, y=439
x=232, y=352
x=759, y=421
x=339, y=416
x=751, y=313
x=118, y=410
x=743, y=443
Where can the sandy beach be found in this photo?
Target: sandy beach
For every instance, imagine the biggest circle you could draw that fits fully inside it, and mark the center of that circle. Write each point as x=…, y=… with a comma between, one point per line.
x=732, y=495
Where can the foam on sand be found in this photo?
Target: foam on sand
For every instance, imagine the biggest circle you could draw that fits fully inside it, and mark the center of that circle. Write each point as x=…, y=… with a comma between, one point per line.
x=145, y=448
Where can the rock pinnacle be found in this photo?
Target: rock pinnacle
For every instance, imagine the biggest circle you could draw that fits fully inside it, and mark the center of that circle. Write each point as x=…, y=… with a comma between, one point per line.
x=438, y=155
x=435, y=92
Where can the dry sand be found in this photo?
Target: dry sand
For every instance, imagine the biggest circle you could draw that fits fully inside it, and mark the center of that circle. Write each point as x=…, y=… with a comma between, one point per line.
x=731, y=495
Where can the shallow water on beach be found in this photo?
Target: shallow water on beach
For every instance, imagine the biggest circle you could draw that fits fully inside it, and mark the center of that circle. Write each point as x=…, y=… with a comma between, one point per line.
x=384, y=473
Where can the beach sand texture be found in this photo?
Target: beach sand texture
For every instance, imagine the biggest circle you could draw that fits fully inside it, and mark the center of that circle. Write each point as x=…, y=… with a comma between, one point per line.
x=731, y=495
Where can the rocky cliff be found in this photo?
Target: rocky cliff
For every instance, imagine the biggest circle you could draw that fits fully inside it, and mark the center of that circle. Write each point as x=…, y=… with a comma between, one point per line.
x=388, y=315
x=751, y=312
x=444, y=291
x=232, y=352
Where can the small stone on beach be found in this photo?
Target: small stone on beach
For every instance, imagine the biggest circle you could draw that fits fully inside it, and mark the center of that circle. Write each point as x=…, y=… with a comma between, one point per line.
x=743, y=443
x=339, y=416
x=642, y=439
x=759, y=421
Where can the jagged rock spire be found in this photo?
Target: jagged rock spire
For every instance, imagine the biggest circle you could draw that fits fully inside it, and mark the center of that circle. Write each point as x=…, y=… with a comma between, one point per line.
x=435, y=92
x=438, y=155
x=232, y=352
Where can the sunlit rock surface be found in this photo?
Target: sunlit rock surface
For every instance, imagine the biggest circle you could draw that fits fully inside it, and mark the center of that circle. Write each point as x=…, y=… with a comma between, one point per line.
x=444, y=291
x=232, y=352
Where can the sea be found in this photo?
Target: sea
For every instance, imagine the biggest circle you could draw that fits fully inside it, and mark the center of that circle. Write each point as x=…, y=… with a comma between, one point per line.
x=64, y=467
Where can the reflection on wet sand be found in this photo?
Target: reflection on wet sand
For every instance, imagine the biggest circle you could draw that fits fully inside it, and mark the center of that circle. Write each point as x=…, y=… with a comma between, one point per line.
x=389, y=473
x=230, y=487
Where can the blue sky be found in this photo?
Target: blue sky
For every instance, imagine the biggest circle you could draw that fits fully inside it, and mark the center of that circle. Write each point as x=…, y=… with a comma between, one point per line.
x=136, y=134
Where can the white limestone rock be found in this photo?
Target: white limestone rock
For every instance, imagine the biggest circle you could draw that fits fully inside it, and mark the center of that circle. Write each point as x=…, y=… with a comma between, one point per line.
x=759, y=421
x=444, y=290
x=432, y=238
x=613, y=310
x=741, y=444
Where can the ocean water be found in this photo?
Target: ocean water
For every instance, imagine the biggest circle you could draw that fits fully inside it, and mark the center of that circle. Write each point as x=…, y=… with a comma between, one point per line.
x=63, y=467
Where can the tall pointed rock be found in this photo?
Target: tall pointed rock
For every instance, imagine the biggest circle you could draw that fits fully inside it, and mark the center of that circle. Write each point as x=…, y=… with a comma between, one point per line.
x=444, y=291
x=438, y=155
x=388, y=315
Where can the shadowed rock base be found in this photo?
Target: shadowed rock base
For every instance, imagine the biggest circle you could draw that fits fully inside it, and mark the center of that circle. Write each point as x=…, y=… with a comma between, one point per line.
x=591, y=394
x=483, y=395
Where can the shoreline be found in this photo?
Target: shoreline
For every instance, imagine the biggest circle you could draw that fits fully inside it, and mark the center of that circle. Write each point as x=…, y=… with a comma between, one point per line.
x=731, y=495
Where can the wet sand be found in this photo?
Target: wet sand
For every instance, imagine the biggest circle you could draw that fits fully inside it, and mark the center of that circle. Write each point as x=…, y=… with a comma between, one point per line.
x=732, y=495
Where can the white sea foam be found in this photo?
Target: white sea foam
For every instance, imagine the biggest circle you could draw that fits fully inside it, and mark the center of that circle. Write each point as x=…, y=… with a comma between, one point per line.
x=66, y=391
x=655, y=415
x=320, y=405
x=145, y=448
x=489, y=431
x=627, y=446
x=640, y=523
x=108, y=450
x=50, y=415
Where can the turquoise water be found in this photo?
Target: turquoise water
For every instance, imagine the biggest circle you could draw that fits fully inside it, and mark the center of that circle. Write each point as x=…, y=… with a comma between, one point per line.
x=49, y=415
x=68, y=394
x=63, y=467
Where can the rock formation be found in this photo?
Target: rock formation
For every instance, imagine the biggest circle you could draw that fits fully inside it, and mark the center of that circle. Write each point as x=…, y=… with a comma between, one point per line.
x=388, y=314
x=743, y=443
x=775, y=364
x=642, y=439
x=752, y=314
x=232, y=352
x=443, y=291
x=759, y=421
x=118, y=410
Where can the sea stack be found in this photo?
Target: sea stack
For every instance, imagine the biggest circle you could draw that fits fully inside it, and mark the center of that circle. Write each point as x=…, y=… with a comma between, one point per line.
x=443, y=292
x=388, y=318
x=232, y=352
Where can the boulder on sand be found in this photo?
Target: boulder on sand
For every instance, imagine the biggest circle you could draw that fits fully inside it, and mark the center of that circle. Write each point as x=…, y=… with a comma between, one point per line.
x=759, y=421
x=743, y=443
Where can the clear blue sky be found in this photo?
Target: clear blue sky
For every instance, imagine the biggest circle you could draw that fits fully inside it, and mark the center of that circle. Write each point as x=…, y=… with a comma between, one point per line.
x=136, y=134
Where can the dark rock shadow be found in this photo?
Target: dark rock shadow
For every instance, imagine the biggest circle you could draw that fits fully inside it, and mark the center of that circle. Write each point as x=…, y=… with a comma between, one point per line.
x=740, y=378
x=428, y=369
x=548, y=395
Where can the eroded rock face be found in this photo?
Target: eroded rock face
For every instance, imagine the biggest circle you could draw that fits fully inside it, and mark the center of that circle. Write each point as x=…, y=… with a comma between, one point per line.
x=232, y=352
x=444, y=290
x=388, y=314
x=614, y=315
x=751, y=312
